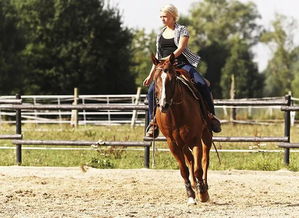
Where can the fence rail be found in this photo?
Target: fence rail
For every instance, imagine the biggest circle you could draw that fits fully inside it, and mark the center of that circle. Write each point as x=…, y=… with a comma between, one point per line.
x=82, y=143
x=16, y=136
x=74, y=107
x=112, y=117
x=233, y=139
x=60, y=116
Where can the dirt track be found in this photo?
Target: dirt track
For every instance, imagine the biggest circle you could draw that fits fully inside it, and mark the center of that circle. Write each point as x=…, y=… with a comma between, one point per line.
x=69, y=192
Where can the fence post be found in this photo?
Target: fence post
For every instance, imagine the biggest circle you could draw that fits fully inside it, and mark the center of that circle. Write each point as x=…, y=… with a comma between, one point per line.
x=134, y=115
x=146, y=149
x=18, y=131
x=233, y=115
x=287, y=129
x=74, y=118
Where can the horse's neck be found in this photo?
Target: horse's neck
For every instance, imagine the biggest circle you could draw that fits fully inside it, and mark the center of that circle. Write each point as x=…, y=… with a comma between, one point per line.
x=183, y=92
x=183, y=109
x=177, y=97
x=182, y=97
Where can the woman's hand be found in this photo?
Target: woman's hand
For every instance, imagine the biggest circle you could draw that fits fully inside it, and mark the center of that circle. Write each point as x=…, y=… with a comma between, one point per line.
x=147, y=81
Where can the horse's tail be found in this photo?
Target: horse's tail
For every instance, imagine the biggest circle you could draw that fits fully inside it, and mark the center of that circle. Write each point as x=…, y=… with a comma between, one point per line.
x=217, y=152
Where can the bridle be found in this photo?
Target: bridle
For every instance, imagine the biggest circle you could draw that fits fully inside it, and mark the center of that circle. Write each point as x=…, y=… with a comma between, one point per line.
x=168, y=101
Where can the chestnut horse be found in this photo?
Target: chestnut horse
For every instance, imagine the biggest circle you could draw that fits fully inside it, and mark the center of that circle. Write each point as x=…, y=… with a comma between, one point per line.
x=179, y=117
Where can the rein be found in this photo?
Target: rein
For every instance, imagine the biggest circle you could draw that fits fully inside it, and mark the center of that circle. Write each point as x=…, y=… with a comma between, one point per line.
x=171, y=101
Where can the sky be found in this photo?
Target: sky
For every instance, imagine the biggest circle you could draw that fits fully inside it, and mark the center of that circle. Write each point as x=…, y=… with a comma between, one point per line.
x=145, y=14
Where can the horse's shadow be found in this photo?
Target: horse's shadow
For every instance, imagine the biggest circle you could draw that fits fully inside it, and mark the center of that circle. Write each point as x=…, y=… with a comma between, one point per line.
x=219, y=204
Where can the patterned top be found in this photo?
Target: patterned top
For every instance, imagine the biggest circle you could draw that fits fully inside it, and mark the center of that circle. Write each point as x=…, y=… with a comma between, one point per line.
x=179, y=31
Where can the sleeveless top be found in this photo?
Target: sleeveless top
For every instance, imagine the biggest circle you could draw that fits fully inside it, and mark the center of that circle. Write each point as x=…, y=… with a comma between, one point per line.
x=179, y=31
x=167, y=46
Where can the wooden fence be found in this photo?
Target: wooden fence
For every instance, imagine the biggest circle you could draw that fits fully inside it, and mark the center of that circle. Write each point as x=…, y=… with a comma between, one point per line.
x=288, y=145
x=146, y=143
x=85, y=117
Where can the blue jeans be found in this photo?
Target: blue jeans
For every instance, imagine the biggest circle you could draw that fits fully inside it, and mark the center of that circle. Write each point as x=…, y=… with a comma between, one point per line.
x=202, y=87
x=151, y=100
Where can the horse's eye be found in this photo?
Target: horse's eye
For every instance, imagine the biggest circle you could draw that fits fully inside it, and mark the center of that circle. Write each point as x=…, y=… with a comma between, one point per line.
x=165, y=70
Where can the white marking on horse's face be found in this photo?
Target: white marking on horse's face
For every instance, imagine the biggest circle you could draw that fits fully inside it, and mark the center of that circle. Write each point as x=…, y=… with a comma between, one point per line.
x=163, y=94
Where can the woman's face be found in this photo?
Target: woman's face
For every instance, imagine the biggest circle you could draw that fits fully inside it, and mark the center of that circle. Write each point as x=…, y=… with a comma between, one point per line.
x=167, y=19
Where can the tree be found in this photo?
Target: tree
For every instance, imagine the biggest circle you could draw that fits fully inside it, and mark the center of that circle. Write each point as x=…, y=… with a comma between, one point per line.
x=295, y=71
x=142, y=46
x=214, y=23
x=75, y=43
x=248, y=82
x=278, y=73
x=11, y=45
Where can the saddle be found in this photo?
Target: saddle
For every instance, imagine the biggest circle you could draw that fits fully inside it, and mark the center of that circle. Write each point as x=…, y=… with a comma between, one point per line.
x=185, y=78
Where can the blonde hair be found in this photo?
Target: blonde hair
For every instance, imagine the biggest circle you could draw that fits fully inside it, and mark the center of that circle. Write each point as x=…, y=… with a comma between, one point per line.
x=172, y=10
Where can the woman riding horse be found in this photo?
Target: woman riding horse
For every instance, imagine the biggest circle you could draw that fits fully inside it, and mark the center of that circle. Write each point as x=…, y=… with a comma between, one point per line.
x=181, y=119
x=173, y=38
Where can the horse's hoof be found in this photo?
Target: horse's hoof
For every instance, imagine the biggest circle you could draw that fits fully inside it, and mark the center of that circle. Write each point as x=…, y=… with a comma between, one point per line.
x=191, y=201
x=204, y=197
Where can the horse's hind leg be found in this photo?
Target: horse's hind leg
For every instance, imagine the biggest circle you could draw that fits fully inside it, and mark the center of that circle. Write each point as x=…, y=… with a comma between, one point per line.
x=179, y=156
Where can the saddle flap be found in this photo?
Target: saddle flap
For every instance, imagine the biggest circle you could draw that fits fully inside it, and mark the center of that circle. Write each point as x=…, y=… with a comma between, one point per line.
x=185, y=78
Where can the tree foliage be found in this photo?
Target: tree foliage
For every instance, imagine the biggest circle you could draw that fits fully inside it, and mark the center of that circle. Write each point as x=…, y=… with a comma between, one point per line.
x=214, y=24
x=74, y=43
x=12, y=44
x=143, y=45
x=248, y=81
x=279, y=75
x=52, y=46
x=295, y=71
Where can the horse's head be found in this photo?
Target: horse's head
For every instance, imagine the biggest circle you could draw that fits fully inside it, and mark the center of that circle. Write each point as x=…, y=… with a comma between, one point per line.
x=165, y=79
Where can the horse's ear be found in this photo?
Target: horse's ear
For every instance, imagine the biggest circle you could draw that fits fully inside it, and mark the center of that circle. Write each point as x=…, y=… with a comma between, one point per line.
x=171, y=58
x=155, y=60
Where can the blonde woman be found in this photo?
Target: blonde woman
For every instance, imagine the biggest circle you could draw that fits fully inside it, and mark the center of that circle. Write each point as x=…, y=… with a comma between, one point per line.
x=173, y=38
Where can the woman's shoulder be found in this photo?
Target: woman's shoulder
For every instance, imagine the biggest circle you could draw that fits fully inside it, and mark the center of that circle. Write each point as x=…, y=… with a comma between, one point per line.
x=180, y=26
x=181, y=30
x=161, y=30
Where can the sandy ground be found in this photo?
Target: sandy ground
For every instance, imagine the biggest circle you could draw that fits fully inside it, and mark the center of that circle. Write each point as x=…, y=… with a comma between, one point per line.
x=70, y=192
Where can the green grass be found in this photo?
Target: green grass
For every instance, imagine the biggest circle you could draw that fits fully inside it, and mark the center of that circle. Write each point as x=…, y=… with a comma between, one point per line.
x=112, y=157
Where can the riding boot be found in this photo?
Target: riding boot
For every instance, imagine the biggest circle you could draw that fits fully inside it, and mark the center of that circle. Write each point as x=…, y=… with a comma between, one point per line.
x=215, y=124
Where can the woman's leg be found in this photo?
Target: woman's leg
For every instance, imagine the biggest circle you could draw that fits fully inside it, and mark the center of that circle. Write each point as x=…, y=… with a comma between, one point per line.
x=204, y=89
x=152, y=129
x=151, y=100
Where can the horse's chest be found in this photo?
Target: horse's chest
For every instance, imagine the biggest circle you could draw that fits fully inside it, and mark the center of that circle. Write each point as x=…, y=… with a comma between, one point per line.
x=178, y=129
x=184, y=134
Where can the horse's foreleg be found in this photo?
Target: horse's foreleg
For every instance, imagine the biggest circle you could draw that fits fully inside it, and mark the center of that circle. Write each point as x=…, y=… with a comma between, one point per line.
x=199, y=172
x=179, y=156
x=205, y=166
x=206, y=146
x=190, y=163
x=205, y=162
